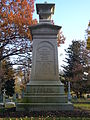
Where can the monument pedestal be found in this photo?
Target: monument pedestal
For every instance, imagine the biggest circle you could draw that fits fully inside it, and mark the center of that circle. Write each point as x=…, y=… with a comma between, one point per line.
x=44, y=92
x=44, y=96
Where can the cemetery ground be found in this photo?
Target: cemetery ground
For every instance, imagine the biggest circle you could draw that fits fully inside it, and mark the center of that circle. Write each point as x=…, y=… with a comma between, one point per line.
x=81, y=112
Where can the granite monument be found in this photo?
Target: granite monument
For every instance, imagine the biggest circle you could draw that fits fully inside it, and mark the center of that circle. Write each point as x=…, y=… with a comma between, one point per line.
x=44, y=92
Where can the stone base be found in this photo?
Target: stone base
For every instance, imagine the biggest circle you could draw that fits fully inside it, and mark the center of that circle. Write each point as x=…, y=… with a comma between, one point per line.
x=44, y=96
x=44, y=106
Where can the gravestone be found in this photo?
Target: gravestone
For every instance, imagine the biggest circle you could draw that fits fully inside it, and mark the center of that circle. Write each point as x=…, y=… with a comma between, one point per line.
x=44, y=92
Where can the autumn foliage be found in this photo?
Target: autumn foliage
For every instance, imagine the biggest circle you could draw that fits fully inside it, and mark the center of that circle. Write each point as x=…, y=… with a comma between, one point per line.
x=18, y=13
x=61, y=38
x=15, y=18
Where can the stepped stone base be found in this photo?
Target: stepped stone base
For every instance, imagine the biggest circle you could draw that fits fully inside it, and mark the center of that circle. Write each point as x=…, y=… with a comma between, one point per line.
x=44, y=96
x=44, y=106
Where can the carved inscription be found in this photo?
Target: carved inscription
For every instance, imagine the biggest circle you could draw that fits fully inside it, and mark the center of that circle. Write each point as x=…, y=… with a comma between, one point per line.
x=44, y=54
x=45, y=59
x=42, y=90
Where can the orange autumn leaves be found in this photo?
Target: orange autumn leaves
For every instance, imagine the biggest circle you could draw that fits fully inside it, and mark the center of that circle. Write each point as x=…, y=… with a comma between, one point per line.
x=61, y=38
x=17, y=13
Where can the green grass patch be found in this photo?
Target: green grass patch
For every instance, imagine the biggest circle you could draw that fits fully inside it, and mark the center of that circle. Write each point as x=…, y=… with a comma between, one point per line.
x=82, y=106
x=81, y=100
x=47, y=118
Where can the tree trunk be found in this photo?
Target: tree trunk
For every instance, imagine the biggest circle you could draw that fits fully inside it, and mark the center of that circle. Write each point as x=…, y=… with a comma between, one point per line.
x=77, y=94
x=80, y=94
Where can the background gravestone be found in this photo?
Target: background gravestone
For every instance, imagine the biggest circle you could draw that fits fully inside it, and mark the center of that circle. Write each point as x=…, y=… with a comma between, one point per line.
x=44, y=92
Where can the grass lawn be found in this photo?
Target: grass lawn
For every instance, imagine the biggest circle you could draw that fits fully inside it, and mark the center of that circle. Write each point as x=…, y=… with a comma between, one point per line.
x=84, y=100
x=82, y=106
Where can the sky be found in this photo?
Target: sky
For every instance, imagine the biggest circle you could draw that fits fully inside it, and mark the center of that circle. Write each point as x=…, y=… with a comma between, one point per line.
x=73, y=16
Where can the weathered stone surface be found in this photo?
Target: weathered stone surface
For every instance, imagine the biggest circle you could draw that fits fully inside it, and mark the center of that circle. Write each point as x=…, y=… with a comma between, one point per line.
x=45, y=107
x=45, y=61
x=44, y=92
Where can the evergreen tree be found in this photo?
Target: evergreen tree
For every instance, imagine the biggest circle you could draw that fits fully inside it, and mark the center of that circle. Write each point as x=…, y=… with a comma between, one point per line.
x=10, y=87
x=74, y=70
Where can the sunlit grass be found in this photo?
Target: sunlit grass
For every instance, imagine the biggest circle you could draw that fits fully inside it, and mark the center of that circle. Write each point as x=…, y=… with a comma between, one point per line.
x=82, y=106
x=81, y=100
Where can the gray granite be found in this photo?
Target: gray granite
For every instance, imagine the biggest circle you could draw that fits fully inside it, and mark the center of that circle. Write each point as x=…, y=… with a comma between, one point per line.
x=44, y=92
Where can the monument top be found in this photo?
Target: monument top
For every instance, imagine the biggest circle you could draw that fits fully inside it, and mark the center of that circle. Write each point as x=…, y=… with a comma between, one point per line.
x=45, y=10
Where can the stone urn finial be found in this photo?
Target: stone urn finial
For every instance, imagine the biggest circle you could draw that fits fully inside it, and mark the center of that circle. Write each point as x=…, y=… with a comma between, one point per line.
x=45, y=11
